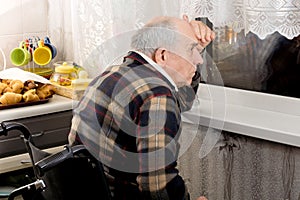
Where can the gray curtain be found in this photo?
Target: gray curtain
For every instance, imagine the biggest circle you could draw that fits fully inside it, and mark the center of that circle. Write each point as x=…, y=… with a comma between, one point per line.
x=241, y=168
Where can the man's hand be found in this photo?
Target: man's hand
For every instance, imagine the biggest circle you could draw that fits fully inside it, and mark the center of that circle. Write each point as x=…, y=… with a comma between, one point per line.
x=202, y=198
x=204, y=34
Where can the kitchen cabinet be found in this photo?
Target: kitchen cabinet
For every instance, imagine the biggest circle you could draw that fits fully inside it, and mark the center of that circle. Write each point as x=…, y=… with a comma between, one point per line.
x=49, y=123
x=48, y=130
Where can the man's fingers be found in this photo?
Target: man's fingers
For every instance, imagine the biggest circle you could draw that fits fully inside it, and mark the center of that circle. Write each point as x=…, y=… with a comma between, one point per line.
x=209, y=35
x=185, y=17
x=203, y=33
x=202, y=198
x=196, y=25
x=213, y=35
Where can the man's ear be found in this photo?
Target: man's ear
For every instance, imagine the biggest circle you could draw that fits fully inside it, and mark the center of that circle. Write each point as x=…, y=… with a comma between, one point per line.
x=161, y=56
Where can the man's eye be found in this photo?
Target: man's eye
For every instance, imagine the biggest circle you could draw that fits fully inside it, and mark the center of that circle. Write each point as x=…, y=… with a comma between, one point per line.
x=201, y=51
x=194, y=46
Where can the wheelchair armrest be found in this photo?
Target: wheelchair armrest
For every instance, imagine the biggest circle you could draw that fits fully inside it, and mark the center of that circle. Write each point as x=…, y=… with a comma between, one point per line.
x=53, y=160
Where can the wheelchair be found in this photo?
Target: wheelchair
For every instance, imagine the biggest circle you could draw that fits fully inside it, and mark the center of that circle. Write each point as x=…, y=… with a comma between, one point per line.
x=73, y=173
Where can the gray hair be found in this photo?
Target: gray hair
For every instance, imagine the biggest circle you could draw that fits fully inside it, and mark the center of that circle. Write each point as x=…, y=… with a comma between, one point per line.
x=155, y=35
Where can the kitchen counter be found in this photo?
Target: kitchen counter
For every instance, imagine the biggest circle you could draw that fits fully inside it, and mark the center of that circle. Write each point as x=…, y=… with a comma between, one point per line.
x=56, y=104
x=270, y=117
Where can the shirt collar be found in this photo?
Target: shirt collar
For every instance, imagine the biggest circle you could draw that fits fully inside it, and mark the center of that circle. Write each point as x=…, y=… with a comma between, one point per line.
x=158, y=68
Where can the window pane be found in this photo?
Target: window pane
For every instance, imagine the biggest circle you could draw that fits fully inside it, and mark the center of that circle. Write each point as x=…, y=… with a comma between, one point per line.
x=270, y=65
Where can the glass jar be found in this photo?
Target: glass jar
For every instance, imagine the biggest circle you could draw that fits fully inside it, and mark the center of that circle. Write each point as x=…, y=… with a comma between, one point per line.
x=63, y=74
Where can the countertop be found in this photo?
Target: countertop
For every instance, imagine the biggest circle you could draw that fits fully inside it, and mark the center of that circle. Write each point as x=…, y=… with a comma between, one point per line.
x=271, y=117
x=265, y=116
x=55, y=104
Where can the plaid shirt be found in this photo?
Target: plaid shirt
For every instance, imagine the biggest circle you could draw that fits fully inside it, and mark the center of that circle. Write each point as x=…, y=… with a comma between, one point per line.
x=129, y=118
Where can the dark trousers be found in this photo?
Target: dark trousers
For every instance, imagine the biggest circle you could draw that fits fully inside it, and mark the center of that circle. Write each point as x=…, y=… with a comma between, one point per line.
x=129, y=191
x=125, y=191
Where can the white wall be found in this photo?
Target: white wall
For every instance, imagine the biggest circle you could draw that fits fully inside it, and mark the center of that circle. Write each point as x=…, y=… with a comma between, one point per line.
x=20, y=19
x=75, y=27
x=60, y=27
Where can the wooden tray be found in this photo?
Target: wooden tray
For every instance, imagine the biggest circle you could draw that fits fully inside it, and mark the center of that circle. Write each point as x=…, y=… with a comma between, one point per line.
x=68, y=91
x=22, y=104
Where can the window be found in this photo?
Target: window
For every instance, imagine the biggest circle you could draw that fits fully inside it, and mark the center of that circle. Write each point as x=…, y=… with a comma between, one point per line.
x=270, y=65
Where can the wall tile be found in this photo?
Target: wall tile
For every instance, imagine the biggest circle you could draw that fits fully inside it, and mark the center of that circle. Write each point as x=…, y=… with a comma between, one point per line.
x=7, y=43
x=35, y=15
x=22, y=19
x=10, y=17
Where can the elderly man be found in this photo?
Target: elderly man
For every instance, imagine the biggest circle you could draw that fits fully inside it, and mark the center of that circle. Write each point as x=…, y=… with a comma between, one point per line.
x=130, y=115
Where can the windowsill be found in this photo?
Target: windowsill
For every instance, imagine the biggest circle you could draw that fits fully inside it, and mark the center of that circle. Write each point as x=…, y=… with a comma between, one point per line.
x=270, y=117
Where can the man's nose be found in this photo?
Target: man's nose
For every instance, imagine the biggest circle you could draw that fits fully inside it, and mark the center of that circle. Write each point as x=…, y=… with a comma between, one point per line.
x=197, y=59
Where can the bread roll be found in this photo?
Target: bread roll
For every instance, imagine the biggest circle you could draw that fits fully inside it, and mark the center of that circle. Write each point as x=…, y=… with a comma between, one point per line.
x=6, y=81
x=45, y=91
x=30, y=96
x=2, y=87
x=30, y=84
x=7, y=89
x=10, y=98
x=16, y=86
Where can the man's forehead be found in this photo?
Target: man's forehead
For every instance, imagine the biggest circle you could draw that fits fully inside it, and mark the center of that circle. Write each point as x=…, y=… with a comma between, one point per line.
x=185, y=28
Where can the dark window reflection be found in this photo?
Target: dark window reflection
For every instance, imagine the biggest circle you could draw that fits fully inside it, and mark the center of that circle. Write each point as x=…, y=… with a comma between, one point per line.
x=271, y=65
